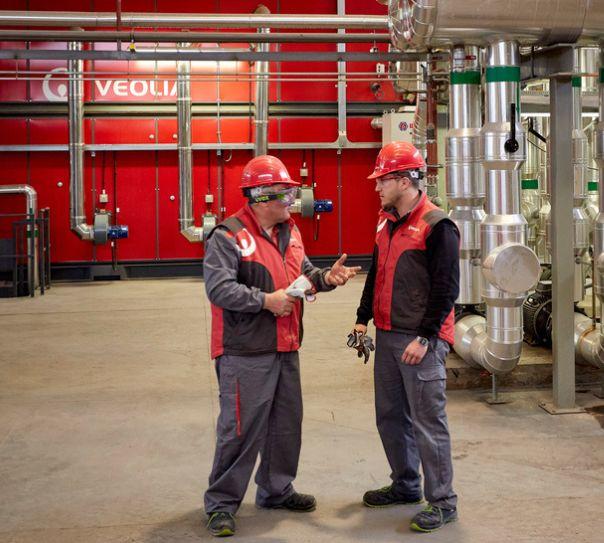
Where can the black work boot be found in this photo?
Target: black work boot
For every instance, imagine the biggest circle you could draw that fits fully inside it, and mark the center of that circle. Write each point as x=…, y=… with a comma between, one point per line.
x=301, y=503
x=221, y=524
x=383, y=497
x=432, y=518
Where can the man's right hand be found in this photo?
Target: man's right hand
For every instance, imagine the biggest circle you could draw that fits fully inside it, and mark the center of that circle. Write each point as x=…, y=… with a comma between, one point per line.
x=279, y=303
x=360, y=328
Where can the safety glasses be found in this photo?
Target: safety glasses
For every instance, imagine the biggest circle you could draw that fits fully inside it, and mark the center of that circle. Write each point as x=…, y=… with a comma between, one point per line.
x=286, y=196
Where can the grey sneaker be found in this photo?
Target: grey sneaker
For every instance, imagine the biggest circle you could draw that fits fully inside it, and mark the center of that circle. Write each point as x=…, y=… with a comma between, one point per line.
x=432, y=518
x=221, y=524
x=384, y=497
x=300, y=503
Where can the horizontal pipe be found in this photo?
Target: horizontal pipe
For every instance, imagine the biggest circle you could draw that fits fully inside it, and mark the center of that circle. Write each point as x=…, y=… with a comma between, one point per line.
x=30, y=193
x=192, y=37
x=154, y=109
x=190, y=20
x=214, y=55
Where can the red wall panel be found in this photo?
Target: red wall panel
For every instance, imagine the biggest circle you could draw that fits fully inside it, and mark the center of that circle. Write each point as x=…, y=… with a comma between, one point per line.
x=360, y=204
x=13, y=132
x=171, y=243
x=47, y=171
x=124, y=131
x=136, y=204
x=48, y=132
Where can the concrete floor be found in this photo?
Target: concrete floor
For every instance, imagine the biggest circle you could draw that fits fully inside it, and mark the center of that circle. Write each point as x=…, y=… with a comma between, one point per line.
x=108, y=403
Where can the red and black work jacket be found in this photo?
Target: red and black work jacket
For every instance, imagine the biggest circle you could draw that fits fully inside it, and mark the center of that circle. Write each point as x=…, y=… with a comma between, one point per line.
x=268, y=264
x=402, y=282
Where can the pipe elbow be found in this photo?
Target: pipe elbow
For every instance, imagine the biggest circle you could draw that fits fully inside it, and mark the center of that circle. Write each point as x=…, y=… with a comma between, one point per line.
x=500, y=358
x=193, y=234
x=83, y=231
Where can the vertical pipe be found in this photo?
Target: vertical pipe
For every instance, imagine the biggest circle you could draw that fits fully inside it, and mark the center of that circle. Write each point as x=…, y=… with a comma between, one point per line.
x=580, y=158
x=465, y=182
x=510, y=268
x=185, y=154
x=261, y=99
x=431, y=134
x=75, y=105
x=599, y=227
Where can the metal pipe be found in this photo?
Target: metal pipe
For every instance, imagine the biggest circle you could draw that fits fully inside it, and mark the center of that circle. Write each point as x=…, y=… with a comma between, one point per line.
x=580, y=150
x=596, y=344
x=424, y=24
x=190, y=20
x=531, y=198
x=261, y=99
x=588, y=342
x=75, y=105
x=185, y=154
x=464, y=176
x=509, y=267
x=192, y=37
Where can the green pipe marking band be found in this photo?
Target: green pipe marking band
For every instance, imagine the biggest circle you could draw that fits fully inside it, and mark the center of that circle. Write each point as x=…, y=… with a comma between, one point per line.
x=496, y=74
x=530, y=184
x=592, y=185
x=576, y=81
x=465, y=78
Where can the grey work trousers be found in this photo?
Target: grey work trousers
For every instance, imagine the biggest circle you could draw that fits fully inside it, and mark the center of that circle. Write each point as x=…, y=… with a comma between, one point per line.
x=412, y=423
x=260, y=412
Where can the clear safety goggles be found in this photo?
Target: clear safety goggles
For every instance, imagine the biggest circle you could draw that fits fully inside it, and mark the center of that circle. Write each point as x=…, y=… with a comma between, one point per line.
x=265, y=194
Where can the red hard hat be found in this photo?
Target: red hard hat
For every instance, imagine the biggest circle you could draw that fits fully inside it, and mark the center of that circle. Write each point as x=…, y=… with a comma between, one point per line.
x=397, y=156
x=265, y=170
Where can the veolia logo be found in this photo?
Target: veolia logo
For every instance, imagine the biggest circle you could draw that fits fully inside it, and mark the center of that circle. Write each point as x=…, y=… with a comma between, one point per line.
x=246, y=243
x=55, y=90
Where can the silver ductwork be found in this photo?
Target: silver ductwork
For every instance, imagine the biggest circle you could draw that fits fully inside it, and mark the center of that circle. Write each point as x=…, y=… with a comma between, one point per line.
x=423, y=24
x=261, y=101
x=509, y=267
x=75, y=105
x=185, y=154
x=465, y=179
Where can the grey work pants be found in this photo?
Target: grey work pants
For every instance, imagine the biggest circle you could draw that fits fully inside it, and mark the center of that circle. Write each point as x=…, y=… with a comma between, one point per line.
x=410, y=414
x=260, y=412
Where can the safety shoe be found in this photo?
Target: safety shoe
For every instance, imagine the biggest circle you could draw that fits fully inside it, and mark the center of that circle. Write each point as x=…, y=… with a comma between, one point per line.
x=221, y=524
x=383, y=497
x=432, y=518
x=301, y=503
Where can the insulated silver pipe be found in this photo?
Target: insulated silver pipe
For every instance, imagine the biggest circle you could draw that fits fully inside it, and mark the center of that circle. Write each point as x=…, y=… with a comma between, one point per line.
x=75, y=105
x=423, y=24
x=185, y=154
x=190, y=20
x=151, y=36
x=465, y=180
x=261, y=101
x=595, y=344
x=31, y=209
x=580, y=150
x=588, y=341
x=509, y=267
x=531, y=199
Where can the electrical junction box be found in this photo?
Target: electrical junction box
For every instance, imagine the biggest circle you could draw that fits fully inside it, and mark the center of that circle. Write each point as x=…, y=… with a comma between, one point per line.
x=397, y=126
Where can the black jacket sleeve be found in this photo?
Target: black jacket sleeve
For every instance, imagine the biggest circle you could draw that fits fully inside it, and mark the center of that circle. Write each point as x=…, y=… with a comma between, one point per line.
x=365, y=309
x=442, y=252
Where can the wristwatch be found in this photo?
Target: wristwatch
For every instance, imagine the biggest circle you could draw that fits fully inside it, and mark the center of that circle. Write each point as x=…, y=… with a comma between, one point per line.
x=424, y=341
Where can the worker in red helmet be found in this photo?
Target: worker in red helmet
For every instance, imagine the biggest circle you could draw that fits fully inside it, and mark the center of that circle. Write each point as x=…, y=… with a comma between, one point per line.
x=410, y=293
x=251, y=259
